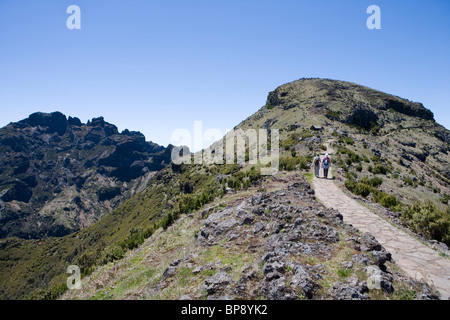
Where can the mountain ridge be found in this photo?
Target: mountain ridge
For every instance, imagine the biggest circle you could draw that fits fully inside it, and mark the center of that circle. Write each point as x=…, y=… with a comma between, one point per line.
x=384, y=160
x=69, y=172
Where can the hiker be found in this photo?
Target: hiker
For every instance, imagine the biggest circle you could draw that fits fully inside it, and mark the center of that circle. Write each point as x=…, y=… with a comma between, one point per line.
x=326, y=165
x=317, y=165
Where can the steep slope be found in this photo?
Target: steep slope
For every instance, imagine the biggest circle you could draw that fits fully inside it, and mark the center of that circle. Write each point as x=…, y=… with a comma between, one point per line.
x=58, y=175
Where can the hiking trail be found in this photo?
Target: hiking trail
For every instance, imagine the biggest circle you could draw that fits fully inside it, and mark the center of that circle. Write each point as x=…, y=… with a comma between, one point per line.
x=415, y=258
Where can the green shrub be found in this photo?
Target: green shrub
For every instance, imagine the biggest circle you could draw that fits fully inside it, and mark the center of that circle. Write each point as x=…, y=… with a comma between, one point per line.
x=288, y=163
x=363, y=189
x=444, y=199
x=351, y=175
x=111, y=254
x=343, y=273
x=289, y=142
x=375, y=182
x=388, y=201
x=304, y=162
x=254, y=174
x=167, y=221
x=351, y=185
x=239, y=175
x=374, y=129
x=333, y=115
x=408, y=180
x=293, y=152
x=379, y=169
x=346, y=140
x=429, y=220
x=134, y=239
x=229, y=168
x=50, y=293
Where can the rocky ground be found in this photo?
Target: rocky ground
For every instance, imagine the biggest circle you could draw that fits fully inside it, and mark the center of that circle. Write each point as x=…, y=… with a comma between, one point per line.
x=277, y=243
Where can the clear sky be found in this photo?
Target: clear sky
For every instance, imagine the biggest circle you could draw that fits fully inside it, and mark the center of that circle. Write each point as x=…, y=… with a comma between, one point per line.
x=156, y=66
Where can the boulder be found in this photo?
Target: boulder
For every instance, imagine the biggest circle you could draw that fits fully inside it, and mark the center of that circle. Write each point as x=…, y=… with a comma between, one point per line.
x=217, y=282
x=303, y=281
x=370, y=243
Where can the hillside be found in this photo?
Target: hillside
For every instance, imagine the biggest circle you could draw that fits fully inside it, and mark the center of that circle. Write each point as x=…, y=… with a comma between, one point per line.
x=268, y=242
x=58, y=175
x=390, y=153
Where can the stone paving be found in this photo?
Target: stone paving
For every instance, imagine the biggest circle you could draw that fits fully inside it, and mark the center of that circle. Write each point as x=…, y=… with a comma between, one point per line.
x=416, y=259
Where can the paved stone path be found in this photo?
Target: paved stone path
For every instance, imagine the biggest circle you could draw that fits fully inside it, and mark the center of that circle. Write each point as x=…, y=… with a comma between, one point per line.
x=416, y=259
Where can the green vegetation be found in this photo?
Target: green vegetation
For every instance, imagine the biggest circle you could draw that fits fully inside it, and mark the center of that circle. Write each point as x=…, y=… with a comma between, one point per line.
x=290, y=141
x=333, y=115
x=445, y=198
x=289, y=163
x=238, y=180
x=38, y=270
x=366, y=186
x=346, y=140
x=426, y=218
x=344, y=273
x=379, y=169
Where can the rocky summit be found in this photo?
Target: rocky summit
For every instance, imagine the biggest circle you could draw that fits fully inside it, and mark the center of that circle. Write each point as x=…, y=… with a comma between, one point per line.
x=58, y=175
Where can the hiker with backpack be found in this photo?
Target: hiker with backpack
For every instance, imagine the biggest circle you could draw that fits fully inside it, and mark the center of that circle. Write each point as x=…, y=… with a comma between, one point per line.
x=326, y=165
x=317, y=165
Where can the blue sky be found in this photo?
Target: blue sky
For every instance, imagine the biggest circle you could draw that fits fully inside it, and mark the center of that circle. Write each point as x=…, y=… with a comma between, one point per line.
x=156, y=66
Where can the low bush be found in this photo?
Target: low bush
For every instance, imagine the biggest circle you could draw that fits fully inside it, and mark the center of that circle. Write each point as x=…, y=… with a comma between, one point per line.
x=379, y=169
x=111, y=254
x=288, y=163
x=426, y=218
x=386, y=200
x=366, y=186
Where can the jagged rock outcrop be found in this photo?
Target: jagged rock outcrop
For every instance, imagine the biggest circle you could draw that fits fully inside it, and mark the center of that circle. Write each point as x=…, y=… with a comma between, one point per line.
x=48, y=161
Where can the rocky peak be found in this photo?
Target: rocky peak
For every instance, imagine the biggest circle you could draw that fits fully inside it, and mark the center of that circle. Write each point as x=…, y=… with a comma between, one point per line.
x=51, y=122
x=352, y=97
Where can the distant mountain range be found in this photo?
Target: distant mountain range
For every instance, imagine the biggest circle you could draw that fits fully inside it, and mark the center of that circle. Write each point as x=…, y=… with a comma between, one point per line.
x=58, y=175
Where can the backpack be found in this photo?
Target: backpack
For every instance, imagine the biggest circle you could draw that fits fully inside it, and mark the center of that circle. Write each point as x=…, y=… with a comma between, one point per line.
x=326, y=161
x=317, y=161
